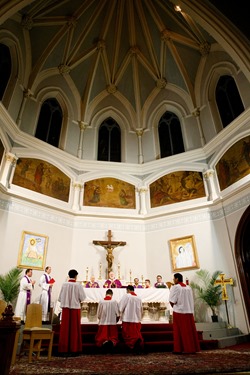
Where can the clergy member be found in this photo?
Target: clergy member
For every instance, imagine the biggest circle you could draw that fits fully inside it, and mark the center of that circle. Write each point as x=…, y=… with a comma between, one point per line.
x=182, y=301
x=24, y=297
x=130, y=307
x=159, y=283
x=46, y=282
x=112, y=282
x=136, y=283
x=70, y=297
x=92, y=283
x=108, y=315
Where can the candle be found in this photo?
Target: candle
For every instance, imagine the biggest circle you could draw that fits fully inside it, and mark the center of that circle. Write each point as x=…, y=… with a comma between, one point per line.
x=87, y=270
x=100, y=272
x=119, y=276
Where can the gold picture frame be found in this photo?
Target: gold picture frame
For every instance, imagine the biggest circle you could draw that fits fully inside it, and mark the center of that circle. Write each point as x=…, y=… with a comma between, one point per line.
x=32, y=251
x=184, y=253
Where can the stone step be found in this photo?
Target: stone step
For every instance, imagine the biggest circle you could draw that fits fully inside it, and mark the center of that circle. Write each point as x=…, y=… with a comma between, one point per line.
x=224, y=334
x=223, y=342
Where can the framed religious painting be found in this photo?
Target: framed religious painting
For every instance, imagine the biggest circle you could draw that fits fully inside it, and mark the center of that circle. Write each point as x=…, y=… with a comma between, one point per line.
x=184, y=253
x=32, y=251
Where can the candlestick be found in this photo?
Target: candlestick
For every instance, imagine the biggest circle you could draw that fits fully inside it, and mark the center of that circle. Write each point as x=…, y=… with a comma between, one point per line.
x=100, y=272
x=130, y=278
x=87, y=271
x=119, y=276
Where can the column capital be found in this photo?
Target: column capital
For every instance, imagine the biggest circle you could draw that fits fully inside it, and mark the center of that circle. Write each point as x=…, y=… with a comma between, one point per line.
x=11, y=158
x=196, y=112
x=82, y=125
x=208, y=173
x=139, y=132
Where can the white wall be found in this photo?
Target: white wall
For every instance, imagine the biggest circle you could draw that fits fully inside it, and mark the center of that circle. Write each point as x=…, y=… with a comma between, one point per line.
x=146, y=252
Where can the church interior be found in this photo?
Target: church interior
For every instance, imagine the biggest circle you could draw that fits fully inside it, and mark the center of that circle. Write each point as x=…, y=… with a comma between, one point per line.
x=125, y=126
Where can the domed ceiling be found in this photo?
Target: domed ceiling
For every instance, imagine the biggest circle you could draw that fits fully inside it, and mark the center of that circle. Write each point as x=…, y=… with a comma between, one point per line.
x=130, y=49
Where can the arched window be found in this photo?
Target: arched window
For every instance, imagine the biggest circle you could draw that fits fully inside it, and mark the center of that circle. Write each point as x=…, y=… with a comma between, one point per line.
x=170, y=135
x=109, y=141
x=50, y=122
x=228, y=100
x=5, y=68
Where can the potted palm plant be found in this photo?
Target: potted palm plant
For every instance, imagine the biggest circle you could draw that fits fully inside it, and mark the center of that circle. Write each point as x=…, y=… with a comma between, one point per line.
x=206, y=291
x=9, y=285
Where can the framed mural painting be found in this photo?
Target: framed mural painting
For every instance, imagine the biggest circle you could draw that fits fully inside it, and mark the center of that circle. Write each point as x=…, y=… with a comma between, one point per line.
x=184, y=253
x=32, y=251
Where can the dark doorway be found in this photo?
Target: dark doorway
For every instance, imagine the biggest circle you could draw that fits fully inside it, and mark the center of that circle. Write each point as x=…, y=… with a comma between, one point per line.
x=242, y=255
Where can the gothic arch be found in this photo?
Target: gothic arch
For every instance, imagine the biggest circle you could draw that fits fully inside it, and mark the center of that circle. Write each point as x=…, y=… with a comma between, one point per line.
x=16, y=73
x=159, y=112
x=65, y=106
x=213, y=78
x=121, y=120
x=242, y=256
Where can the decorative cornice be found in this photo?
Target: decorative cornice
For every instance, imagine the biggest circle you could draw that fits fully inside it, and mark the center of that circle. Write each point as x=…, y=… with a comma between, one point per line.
x=170, y=220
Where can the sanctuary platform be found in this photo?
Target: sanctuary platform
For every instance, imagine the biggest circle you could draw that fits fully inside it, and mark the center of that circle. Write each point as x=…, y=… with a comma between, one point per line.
x=157, y=338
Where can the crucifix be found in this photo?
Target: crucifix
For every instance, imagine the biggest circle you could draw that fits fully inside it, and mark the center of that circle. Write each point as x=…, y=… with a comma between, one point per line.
x=109, y=247
x=223, y=283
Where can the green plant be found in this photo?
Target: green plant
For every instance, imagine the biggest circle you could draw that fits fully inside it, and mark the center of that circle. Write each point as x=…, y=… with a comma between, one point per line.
x=206, y=290
x=9, y=284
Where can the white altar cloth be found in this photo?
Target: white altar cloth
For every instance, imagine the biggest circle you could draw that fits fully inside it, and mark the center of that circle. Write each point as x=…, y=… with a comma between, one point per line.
x=147, y=295
x=150, y=295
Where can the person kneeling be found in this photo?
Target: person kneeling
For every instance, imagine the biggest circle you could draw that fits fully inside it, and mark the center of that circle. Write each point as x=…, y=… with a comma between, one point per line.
x=108, y=315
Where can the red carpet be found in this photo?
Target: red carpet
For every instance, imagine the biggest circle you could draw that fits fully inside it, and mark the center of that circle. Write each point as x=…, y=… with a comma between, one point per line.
x=219, y=361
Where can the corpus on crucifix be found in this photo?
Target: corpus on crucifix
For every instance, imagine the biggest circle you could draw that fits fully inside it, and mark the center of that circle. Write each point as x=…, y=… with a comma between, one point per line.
x=109, y=246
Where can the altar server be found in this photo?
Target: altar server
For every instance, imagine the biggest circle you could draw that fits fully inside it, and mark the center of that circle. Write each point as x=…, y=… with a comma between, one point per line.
x=70, y=297
x=46, y=282
x=108, y=315
x=112, y=282
x=182, y=301
x=24, y=297
x=130, y=307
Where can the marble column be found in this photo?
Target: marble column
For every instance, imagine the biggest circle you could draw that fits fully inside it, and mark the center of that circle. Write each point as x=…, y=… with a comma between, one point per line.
x=142, y=195
x=209, y=176
x=196, y=114
x=139, y=134
x=76, y=198
x=8, y=169
x=82, y=126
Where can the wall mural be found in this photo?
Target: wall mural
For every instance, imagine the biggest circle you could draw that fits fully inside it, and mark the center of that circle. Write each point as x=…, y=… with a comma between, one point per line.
x=234, y=164
x=176, y=187
x=42, y=177
x=109, y=192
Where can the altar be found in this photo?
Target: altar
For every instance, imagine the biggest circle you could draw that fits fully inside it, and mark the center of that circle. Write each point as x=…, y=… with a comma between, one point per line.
x=155, y=301
x=147, y=295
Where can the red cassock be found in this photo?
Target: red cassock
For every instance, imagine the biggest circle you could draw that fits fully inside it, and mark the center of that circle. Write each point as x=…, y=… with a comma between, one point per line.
x=70, y=298
x=185, y=334
x=184, y=329
x=130, y=307
x=108, y=314
x=70, y=340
